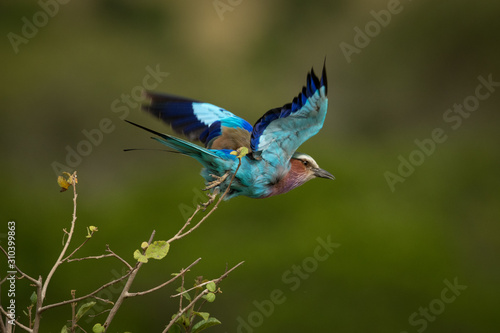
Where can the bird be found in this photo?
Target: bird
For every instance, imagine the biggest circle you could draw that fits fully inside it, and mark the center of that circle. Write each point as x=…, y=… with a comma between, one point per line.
x=272, y=165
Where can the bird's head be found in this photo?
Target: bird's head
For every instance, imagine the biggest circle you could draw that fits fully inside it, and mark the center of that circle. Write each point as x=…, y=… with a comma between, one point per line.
x=307, y=166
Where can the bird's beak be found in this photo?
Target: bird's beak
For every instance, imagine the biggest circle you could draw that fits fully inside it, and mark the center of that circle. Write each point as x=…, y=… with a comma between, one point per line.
x=322, y=173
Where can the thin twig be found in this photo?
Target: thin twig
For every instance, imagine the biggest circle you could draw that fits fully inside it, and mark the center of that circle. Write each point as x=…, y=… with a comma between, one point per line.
x=90, y=257
x=180, y=313
x=183, y=281
x=98, y=314
x=36, y=282
x=103, y=300
x=188, y=222
x=110, y=254
x=118, y=257
x=188, y=290
x=46, y=307
x=65, y=248
x=180, y=235
x=182, y=272
x=73, y=311
x=78, y=248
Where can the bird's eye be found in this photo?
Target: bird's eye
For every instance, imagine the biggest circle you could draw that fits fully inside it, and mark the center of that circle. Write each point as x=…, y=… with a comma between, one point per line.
x=305, y=163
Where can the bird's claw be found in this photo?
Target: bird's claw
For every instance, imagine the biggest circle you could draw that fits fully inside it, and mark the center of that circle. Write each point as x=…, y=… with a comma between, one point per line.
x=211, y=198
x=218, y=180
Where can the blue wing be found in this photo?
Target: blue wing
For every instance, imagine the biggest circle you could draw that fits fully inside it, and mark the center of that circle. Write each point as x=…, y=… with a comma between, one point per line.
x=282, y=130
x=207, y=157
x=196, y=120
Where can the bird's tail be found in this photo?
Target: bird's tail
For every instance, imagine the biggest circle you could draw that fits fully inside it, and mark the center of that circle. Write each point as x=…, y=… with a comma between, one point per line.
x=187, y=148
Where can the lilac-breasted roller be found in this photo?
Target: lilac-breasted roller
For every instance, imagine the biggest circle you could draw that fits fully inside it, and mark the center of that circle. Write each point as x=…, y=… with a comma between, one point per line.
x=273, y=166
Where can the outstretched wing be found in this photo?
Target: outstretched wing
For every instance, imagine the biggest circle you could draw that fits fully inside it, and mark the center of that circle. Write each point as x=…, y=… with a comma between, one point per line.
x=282, y=130
x=200, y=121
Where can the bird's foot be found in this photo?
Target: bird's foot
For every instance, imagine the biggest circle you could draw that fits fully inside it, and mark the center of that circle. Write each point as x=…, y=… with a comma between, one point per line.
x=218, y=180
x=211, y=198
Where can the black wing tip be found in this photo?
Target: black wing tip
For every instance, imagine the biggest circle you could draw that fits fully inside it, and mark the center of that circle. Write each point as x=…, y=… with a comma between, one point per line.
x=311, y=76
x=145, y=128
x=157, y=97
x=324, y=80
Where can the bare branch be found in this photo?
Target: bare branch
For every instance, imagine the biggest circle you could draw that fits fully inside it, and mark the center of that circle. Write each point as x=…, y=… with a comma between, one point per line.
x=180, y=235
x=188, y=222
x=75, y=250
x=73, y=311
x=65, y=248
x=90, y=257
x=36, y=282
x=103, y=300
x=110, y=254
x=98, y=314
x=188, y=290
x=181, y=273
x=223, y=276
x=46, y=307
x=118, y=257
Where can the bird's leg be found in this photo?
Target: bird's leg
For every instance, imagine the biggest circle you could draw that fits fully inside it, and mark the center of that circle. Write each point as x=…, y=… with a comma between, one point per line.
x=211, y=198
x=218, y=180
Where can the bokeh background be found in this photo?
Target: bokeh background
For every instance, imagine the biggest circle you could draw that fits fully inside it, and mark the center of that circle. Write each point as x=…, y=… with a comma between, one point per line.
x=397, y=246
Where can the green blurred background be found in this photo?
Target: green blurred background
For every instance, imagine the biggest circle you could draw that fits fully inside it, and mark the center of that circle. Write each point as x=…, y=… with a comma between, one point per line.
x=396, y=247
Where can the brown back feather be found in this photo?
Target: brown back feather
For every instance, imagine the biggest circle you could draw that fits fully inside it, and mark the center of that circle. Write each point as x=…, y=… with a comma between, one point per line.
x=231, y=138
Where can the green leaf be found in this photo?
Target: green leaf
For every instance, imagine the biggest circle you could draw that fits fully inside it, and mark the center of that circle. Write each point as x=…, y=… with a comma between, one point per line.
x=209, y=297
x=204, y=324
x=140, y=257
x=211, y=286
x=33, y=298
x=65, y=329
x=98, y=328
x=84, y=308
x=175, y=329
x=157, y=250
x=240, y=152
x=204, y=315
x=185, y=295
